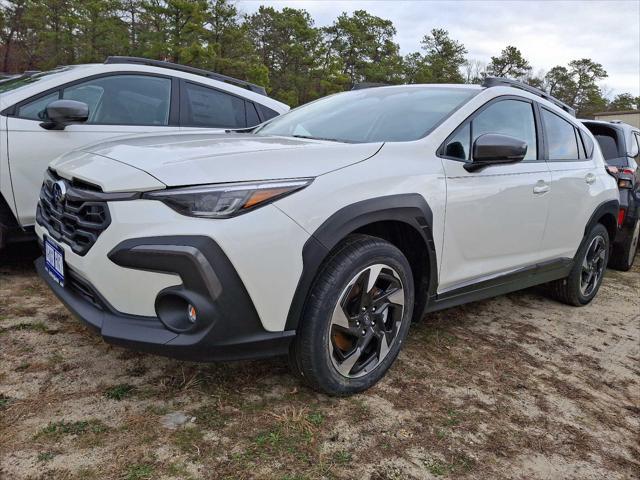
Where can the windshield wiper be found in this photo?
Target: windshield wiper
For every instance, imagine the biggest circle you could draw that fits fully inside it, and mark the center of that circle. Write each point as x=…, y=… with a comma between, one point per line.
x=309, y=137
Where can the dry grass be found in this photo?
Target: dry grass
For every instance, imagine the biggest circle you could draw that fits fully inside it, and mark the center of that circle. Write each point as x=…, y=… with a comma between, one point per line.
x=514, y=387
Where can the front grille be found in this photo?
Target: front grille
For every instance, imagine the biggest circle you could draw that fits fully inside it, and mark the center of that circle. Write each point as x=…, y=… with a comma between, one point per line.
x=77, y=219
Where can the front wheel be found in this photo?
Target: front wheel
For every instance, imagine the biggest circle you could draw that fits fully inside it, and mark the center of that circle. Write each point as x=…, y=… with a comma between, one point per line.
x=584, y=281
x=356, y=318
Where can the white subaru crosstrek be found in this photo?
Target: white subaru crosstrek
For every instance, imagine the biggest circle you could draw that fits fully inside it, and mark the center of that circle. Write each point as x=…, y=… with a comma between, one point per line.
x=46, y=114
x=325, y=231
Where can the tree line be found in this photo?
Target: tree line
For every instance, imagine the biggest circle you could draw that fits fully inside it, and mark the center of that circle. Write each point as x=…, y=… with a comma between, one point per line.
x=280, y=49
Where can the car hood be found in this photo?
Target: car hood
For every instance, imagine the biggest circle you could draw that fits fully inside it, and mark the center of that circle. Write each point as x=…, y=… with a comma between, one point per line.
x=199, y=158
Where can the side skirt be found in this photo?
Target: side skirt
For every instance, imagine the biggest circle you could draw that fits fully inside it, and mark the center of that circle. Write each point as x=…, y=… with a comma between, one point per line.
x=511, y=282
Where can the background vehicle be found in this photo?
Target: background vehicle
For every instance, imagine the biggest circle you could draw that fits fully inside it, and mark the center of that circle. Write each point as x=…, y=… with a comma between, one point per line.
x=43, y=115
x=327, y=230
x=620, y=145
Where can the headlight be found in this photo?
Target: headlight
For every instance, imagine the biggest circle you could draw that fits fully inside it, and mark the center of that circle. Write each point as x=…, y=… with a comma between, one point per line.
x=226, y=199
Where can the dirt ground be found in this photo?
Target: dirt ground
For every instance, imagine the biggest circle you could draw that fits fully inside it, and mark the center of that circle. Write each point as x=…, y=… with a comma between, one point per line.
x=514, y=387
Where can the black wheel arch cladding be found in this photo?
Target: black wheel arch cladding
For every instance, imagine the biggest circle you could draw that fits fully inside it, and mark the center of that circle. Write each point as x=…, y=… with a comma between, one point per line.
x=411, y=209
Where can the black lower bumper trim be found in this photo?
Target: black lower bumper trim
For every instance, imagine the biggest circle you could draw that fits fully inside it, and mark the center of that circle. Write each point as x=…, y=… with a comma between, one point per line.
x=148, y=334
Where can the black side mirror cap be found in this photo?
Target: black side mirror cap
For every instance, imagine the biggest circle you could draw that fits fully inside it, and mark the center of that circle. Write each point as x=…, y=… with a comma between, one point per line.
x=494, y=149
x=61, y=113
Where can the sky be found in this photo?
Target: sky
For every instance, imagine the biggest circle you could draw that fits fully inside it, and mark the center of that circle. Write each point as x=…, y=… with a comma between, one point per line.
x=547, y=32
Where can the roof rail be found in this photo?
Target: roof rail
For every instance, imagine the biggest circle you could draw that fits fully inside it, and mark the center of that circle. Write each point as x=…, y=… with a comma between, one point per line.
x=507, y=82
x=185, y=68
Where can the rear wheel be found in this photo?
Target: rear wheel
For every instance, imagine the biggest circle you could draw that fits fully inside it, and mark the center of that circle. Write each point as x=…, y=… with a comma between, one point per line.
x=356, y=318
x=624, y=254
x=585, y=278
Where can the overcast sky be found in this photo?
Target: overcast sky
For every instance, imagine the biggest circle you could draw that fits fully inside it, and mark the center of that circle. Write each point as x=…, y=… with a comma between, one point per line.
x=547, y=32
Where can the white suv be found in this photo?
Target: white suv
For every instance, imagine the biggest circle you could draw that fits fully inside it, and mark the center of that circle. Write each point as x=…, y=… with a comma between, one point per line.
x=43, y=115
x=325, y=231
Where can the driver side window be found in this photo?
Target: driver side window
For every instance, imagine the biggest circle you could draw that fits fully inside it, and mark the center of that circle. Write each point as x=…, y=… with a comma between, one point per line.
x=505, y=117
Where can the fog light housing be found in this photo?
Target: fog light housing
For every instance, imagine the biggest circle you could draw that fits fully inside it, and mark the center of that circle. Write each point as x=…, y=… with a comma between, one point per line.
x=176, y=312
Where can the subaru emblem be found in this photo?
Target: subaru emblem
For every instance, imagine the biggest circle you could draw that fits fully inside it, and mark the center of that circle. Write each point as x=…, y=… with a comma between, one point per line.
x=59, y=191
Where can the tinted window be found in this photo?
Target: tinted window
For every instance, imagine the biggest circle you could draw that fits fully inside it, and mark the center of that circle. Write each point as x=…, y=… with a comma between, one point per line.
x=458, y=145
x=252, y=115
x=581, y=150
x=608, y=145
x=561, y=138
x=124, y=99
x=206, y=107
x=267, y=113
x=387, y=114
x=35, y=110
x=512, y=118
x=588, y=143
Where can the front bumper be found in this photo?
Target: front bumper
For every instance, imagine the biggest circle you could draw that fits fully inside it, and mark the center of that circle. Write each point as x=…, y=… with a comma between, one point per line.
x=228, y=328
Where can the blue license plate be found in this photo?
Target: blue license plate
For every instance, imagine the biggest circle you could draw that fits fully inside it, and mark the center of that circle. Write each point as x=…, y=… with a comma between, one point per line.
x=54, y=261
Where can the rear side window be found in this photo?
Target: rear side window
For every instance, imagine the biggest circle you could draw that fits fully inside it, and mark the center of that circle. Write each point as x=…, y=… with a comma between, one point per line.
x=267, y=113
x=588, y=143
x=207, y=107
x=608, y=145
x=252, y=115
x=561, y=137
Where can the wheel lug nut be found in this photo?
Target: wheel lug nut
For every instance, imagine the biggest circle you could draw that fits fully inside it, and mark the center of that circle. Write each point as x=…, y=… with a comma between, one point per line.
x=364, y=309
x=364, y=332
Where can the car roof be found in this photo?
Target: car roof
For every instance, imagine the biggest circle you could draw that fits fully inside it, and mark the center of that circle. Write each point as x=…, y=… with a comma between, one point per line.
x=72, y=73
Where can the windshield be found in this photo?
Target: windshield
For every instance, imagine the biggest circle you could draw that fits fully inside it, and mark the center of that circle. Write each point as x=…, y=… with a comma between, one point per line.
x=386, y=114
x=19, y=81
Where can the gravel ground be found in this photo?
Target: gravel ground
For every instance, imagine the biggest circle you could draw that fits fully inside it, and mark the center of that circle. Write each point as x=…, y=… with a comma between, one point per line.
x=514, y=387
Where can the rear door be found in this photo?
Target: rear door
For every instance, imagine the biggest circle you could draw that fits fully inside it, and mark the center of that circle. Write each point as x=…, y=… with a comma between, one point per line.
x=119, y=104
x=495, y=217
x=573, y=180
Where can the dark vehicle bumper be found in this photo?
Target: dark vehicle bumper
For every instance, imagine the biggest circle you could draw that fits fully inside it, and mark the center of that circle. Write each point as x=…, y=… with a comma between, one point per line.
x=630, y=203
x=228, y=326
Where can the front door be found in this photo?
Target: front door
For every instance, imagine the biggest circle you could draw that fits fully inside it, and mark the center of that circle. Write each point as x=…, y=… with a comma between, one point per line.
x=495, y=217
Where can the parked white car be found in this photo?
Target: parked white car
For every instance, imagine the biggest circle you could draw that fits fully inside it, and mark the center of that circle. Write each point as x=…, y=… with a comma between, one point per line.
x=326, y=230
x=43, y=115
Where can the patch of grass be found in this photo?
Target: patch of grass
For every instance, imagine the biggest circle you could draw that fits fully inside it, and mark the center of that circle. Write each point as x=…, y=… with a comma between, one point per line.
x=316, y=418
x=459, y=464
x=188, y=439
x=23, y=366
x=176, y=469
x=342, y=457
x=209, y=416
x=119, y=392
x=139, y=472
x=453, y=418
x=56, y=430
x=4, y=401
x=24, y=326
x=45, y=456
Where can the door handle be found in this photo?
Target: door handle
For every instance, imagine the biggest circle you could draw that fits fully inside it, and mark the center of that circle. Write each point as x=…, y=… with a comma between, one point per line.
x=589, y=178
x=541, y=188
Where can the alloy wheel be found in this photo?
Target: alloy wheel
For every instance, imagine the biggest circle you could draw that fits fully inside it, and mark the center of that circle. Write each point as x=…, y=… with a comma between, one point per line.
x=593, y=265
x=366, y=321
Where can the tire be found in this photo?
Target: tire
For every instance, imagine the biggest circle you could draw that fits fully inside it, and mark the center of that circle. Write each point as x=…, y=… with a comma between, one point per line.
x=350, y=335
x=624, y=254
x=584, y=281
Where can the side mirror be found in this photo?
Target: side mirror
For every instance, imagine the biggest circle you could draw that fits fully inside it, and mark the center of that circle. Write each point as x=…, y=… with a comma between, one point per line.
x=493, y=149
x=61, y=113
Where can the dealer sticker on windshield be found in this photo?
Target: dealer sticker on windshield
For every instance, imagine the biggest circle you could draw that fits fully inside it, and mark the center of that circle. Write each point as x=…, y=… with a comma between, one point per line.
x=54, y=261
